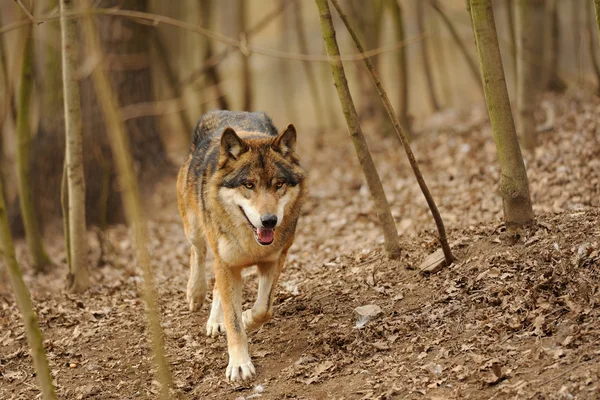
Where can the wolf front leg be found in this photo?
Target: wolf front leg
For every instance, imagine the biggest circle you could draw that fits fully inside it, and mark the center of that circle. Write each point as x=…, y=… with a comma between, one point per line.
x=262, y=310
x=196, y=287
x=229, y=285
x=216, y=323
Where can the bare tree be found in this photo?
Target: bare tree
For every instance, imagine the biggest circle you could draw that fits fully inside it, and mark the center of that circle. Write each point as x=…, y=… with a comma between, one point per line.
x=401, y=65
x=403, y=139
x=131, y=197
x=246, y=72
x=597, y=9
x=471, y=63
x=78, y=278
x=550, y=77
x=592, y=48
x=26, y=200
x=529, y=18
x=311, y=78
x=32, y=330
x=212, y=72
x=435, y=104
x=386, y=220
x=513, y=181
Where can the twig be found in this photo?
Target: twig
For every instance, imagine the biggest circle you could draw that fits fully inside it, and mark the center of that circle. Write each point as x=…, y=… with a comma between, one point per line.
x=26, y=11
x=403, y=139
x=158, y=19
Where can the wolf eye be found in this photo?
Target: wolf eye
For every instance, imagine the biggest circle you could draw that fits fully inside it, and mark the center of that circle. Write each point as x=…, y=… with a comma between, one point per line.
x=278, y=185
x=249, y=185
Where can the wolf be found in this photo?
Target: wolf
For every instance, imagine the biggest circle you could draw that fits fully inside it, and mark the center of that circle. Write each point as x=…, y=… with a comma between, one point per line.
x=240, y=189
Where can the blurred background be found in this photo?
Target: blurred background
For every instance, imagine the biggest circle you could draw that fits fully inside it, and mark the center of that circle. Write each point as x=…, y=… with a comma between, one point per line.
x=159, y=71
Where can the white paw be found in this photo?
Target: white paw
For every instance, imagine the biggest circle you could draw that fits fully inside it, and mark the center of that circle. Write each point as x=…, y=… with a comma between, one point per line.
x=240, y=371
x=214, y=328
x=195, y=298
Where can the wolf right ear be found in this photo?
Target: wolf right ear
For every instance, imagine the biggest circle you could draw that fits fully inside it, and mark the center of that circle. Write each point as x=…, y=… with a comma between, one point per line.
x=231, y=144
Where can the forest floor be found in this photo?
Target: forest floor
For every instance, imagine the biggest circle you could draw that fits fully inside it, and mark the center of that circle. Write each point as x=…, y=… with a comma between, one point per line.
x=517, y=316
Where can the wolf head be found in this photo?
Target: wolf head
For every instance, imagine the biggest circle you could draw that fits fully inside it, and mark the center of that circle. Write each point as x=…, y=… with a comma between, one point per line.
x=260, y=180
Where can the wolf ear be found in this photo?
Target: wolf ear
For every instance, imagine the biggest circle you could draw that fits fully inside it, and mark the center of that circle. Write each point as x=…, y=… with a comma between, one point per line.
x=285, y=143
x=231, y=144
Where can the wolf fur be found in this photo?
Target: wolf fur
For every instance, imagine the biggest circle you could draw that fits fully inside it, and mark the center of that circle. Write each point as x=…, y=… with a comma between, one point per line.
x=241, y=189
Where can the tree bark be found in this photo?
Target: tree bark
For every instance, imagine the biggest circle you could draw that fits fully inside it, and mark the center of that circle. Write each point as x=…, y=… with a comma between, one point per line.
x=246, y=72
x=592, y=45
x=403, y=139
x=529, y=17
x=308, y=68
x=551, y=79
x=78, y=278
x=471, y=63
x=382, y=208
x=435, y=104
x=109, y=104
x=402, y=66
x=32, y=329
x=513, y=182
x=26, y=199
x=597, y=9
x=212, y=72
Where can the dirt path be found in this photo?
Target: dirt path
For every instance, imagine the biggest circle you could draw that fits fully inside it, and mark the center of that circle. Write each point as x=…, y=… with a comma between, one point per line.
x=514, y=317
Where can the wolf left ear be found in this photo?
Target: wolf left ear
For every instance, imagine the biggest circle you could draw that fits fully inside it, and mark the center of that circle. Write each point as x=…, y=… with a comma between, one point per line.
x=285, y=143
x=231, y=144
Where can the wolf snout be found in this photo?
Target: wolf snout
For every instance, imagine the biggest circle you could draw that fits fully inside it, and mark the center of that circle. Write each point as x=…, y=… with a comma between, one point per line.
x=269, y=220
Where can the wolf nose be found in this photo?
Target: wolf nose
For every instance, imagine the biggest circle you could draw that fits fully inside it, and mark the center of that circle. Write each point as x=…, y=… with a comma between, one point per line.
x=269, y=220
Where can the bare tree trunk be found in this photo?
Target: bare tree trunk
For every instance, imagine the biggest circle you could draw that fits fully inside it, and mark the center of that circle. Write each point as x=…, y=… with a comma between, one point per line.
x=402, y=66
x=212, y=72
x=435, y=104
x=529, y=16
x=509, y=7
x=28, y=211
x=513, y=182
x=597, y=9
x=32, y=329
x=246, y=72
x=308, y=68
x=576, y=30
x=78, y=278
x=382, y=208
x=592, y=46
x=551, y=80
x=285, y=71
x=472, y=64
x=131, y=198
x=172, y=82
x=411, y=158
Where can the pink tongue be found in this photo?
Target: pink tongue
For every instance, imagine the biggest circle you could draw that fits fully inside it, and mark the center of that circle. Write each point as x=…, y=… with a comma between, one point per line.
x=265, y=235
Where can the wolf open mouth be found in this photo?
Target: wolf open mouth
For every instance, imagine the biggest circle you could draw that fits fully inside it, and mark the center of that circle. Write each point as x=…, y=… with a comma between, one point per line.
x=264, y=236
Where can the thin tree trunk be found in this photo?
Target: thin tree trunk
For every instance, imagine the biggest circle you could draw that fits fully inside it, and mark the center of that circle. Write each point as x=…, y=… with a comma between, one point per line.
x=471, y=63
x=576, y=29
x=411, y=158
x=435, y=104
x=528, y=14
x=382, y=208
x=308, y=68
x=597, y=9
x=28, y=212
x=509, y=8
x=172, y=82
x=402, y=66
x=592, y=45
x=131, y=198
x=212, y=72
x=246, y=72
x=285, y=72
x=32, y=329
x=78, y=278
x=439, y=62
x=513, y=175
x=551, y=80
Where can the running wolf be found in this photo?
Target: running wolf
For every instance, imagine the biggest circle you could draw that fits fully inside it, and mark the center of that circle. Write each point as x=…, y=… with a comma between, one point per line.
x=241, y=189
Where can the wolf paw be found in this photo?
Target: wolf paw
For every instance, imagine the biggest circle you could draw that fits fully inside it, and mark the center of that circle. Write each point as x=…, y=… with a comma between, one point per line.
x=195, y=298
x=215, y=328
x=240, y=371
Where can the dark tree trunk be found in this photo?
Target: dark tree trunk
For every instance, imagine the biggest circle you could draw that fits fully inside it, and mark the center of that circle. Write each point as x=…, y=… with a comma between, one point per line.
x=127, y=47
